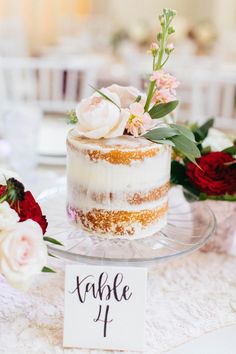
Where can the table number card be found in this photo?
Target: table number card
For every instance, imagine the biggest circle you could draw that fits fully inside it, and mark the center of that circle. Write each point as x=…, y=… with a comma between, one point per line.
x=104, y=307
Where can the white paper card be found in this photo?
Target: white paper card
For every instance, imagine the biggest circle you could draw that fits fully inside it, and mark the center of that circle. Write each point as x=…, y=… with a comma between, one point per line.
x=104, y=307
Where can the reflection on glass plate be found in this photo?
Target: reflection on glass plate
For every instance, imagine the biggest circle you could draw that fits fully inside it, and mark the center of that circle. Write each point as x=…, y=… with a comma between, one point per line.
x=190, y=224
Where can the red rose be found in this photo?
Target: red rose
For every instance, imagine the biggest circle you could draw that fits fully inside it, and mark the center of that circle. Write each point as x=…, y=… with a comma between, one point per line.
x=29, y=209
x=215, y=176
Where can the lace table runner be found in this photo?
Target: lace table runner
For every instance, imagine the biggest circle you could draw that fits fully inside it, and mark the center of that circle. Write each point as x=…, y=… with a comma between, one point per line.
x=186, y=298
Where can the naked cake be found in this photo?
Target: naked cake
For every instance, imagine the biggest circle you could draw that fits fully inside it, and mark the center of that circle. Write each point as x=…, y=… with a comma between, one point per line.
x=118, y=187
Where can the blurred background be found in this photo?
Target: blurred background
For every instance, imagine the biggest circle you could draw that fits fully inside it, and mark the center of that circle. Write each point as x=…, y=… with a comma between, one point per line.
x=52, y=50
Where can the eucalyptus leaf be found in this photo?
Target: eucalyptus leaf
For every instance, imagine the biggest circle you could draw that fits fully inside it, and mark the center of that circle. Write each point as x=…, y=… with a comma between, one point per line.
x=186, y=147
x=47, y=270
x=162, y=109
x=164, y=141
x=184, y=131
x=231, y=150
x=105, y=96
x=161, y=133
x=52, y=240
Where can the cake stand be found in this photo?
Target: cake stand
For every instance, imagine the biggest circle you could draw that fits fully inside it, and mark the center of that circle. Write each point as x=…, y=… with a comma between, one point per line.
x=190, y=224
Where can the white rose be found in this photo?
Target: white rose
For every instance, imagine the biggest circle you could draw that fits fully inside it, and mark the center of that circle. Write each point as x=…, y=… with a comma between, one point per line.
x=6, y=174
x=100, y=118
x=217, y=140
x=8, y=218
x=127, y=94
x=23, y=254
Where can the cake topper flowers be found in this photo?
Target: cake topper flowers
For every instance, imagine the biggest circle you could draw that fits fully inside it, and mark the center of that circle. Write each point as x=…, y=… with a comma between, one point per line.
x=115, y=110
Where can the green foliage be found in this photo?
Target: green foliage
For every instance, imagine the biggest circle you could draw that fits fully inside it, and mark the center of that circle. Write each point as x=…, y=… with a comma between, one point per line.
x=231, y=150
x=52, y=240
x=186, y=147
x=201, y=132
x=72, y=118
x=47, y=270
x=179, y=177
x=162, y=109
x=182, y=130
x=160, y=133
x=178, y=136
x=226, y=197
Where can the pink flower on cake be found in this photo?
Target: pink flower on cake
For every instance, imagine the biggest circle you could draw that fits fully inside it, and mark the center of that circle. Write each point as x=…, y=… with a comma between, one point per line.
x=8, y=218
x=23, y=253
x=165, y=81
x=139, y=121
x=99, y=117
x=163, y=96
x=127, y=94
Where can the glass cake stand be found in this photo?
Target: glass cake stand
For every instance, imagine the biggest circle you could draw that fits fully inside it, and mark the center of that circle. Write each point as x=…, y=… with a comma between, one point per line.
x=190, y=224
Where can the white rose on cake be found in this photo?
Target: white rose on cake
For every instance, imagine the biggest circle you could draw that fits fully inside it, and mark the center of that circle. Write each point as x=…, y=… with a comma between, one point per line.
x=99, y=117
x=23, y=253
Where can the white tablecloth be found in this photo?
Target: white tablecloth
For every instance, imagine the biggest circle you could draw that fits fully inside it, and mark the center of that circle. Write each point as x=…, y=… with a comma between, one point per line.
x=186, y=298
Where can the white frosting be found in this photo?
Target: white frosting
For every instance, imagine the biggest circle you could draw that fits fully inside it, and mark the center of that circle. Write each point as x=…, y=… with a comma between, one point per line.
x=124, y=142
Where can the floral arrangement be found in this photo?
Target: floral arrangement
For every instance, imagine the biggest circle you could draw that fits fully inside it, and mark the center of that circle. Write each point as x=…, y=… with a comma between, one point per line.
x=115, y=111
x=23, y=250
x=214, y=176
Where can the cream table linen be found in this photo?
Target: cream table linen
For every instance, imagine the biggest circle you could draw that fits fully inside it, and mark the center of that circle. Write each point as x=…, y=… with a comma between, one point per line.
x=186, y=298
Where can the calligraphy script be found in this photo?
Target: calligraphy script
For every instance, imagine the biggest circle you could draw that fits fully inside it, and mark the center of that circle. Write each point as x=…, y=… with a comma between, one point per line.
x=103, y=289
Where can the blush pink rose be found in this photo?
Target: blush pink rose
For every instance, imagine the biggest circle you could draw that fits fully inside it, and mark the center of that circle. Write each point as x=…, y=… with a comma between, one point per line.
x=23, y=254
x=100, y=118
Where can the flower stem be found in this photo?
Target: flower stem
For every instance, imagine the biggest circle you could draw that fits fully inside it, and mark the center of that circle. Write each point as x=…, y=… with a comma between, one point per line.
x=159, y=63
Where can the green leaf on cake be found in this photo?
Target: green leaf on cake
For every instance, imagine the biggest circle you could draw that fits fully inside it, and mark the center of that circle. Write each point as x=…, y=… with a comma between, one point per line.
x=186, y=147
x=183, y=131
x=231, y=150
x=164, y=141
x=105, y=96
x=162, y=109
x=160, y=133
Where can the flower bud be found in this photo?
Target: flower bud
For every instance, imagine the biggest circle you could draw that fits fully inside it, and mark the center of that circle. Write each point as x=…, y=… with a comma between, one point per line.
x=154, y=48
x=162, y=20
x=159, y=36
x=170, y=47
x=171, y=30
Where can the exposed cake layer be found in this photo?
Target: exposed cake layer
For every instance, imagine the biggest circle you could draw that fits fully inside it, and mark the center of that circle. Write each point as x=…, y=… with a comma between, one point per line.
x=120, y=223
x=82, y=198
